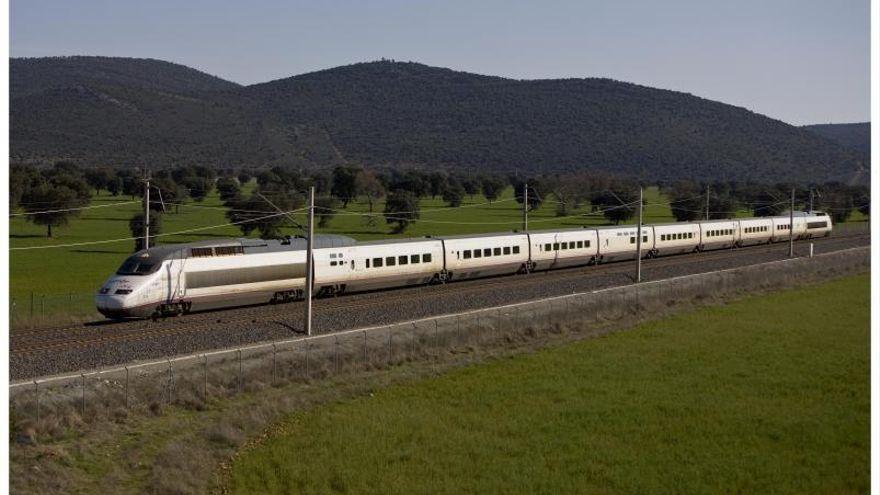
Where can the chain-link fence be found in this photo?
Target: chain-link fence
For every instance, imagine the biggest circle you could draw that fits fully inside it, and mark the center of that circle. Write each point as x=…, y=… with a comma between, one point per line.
x=53, y=405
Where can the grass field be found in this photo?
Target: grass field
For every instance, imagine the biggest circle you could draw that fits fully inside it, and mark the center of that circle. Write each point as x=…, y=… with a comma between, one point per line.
x=765, y=395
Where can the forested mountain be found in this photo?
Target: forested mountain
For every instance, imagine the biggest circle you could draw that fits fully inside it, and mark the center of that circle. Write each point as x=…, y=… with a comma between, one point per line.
x=856, y=136
x=28, y=76
x=392, y=113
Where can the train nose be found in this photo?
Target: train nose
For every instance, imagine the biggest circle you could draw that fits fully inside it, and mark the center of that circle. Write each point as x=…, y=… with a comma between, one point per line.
x=111, y=306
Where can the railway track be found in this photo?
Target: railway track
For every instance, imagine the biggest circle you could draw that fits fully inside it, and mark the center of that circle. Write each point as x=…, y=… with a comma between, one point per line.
x=34, y=342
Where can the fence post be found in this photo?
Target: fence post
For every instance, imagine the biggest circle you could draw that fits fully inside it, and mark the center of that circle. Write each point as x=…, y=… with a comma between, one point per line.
x=170, y=381
x=239, y=371
x=390, y=347
x=205, y=367
x=83, y=401
x=37, y=398
x=126, y=387
x=412, y=347
x=274, y=363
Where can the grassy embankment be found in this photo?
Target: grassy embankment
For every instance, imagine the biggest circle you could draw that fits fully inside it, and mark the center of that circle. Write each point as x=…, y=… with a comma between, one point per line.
x=753, y=397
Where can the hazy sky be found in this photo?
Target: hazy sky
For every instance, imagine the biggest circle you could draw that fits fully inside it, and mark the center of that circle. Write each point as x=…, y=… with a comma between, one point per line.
x=800, y=61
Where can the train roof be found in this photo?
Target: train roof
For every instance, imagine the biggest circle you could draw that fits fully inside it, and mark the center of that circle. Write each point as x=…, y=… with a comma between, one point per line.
x=249, y=246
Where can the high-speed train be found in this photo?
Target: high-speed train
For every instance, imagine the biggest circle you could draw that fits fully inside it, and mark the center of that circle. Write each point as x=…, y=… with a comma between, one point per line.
x=179, y=278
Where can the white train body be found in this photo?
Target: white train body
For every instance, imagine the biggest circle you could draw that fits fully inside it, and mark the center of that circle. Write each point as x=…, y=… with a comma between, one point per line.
x=174, y=279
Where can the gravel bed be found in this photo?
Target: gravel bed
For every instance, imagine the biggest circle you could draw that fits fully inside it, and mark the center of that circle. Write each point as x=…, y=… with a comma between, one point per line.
x=223, y=329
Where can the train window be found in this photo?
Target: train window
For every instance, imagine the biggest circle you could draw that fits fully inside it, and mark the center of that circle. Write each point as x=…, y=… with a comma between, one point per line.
x=333, y=263
x=662, y=237
x=201, y=252
x=556, y=246
x=377, y=262
x=632, y=240
x=496, y=251
x=487, y=252
x=644, y=238
x=580, y=244
x=228, y=250
x=403, y=260
x=507, y=250
x=547, y=247
x=367, y=263
x=352, y=264
x=414, y=259
x=563, y=245
x=467, y=254
x=587, y=244
x=680, y=236
x=478, y=253
x=426, y=257
x=390, y=261
x=515, y=249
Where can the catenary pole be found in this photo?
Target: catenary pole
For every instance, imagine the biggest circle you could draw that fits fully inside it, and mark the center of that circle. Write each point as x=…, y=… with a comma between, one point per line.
x=639, y=241
x=791, y=227
x=146, y=209
x=707, y=201
x=525, y=207
x=309, y=262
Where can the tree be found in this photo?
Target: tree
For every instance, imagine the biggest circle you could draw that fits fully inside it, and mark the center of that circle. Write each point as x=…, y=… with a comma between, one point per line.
x=437, y=183
x=570, y=191
x=453, y=194
x=136, y=225
x=100, y=178
x=115, y=186
x=371, y=187
x=536, y=192
x=325, y=209
x=163, y=190
x=344, y=183
x=50, y=205
x=471, y=185
x=228, y=188
x=401, y=210
x=618, y=203
x=255, y=213
x=244, y=177
x=686, y=201
x=22, y=179
x=491, y=186
x=197, y=187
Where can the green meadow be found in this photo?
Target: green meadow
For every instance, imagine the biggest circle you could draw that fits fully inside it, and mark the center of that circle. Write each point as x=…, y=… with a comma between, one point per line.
x=749, y=397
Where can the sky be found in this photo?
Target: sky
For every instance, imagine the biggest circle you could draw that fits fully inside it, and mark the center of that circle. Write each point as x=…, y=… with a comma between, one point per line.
x=799, y=61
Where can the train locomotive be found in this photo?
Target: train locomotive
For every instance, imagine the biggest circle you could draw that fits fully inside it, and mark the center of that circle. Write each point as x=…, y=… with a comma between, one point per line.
x=179, y=278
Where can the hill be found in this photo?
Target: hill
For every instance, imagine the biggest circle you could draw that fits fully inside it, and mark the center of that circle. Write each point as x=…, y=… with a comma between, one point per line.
x=856, y=136
x=29, y=76
x=97, y=110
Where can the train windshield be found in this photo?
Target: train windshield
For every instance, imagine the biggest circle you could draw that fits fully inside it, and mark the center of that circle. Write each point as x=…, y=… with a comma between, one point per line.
x=137, y=266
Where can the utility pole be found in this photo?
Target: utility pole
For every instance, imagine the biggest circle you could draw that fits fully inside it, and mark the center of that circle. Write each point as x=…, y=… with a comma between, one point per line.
x=526, y=207
x=309, y=264
x=146, y=208
x=707, y=201
x=639, y=241
x=791, y=227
